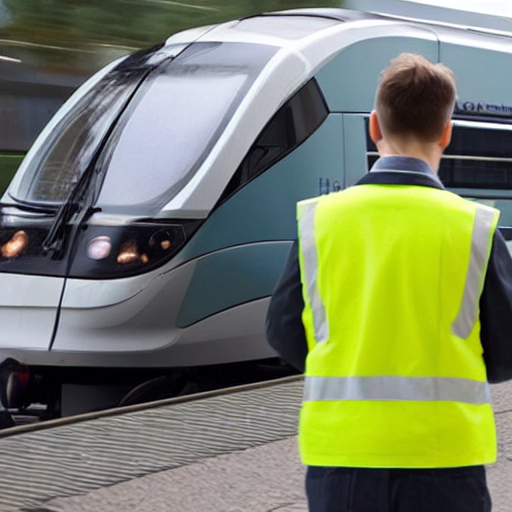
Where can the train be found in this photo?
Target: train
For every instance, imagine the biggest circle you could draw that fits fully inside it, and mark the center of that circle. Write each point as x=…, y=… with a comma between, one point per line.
x=147, y=226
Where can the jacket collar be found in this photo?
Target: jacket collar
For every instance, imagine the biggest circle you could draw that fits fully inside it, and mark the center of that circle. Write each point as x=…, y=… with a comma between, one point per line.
x=401, y=170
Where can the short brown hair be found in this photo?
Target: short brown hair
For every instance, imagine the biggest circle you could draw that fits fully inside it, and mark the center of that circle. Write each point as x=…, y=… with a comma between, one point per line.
x=416, y=97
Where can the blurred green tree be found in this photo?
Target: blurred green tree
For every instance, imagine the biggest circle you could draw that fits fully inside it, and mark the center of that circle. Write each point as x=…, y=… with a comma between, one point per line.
x=82, y=36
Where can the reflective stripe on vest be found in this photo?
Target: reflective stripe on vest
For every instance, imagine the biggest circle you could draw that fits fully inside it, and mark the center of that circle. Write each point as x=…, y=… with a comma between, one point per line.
x=310, y=259
x=468, y=312
x=397, y=388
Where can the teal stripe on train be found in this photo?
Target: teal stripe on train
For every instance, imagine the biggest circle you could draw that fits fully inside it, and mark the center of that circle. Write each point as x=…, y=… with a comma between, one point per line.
x=231, y=277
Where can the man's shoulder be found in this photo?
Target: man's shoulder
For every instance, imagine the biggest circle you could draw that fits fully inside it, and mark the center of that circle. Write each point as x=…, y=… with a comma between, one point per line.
x=480, y=206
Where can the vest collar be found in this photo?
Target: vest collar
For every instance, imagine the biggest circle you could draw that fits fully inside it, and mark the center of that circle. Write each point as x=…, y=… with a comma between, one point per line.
x=401, y=170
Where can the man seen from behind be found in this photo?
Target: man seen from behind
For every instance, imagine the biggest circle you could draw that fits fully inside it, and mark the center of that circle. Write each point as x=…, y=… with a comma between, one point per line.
x=397, y=305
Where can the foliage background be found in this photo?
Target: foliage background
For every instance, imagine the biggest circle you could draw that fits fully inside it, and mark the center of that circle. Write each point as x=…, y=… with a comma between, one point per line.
x=82, y=36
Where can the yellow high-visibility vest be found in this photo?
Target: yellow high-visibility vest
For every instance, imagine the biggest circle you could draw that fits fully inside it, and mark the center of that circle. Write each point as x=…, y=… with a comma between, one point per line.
x=392, y=276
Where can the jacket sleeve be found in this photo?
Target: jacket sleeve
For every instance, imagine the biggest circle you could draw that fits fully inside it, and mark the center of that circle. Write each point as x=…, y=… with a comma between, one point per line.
x=496, y=313
x=284, y=328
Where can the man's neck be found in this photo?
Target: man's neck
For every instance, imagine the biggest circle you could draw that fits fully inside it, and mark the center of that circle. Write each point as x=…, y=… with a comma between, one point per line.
x=428, y=152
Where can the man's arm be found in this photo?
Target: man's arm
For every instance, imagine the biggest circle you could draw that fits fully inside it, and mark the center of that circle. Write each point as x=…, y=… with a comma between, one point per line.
x=496, y=313
x=285, y=331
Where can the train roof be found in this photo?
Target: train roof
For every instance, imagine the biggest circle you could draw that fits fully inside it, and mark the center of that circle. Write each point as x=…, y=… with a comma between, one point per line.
x=281, y=27
x=447, y=16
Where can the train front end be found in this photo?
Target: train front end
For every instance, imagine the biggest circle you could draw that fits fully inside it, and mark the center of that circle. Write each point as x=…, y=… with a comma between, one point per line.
x=110, y=263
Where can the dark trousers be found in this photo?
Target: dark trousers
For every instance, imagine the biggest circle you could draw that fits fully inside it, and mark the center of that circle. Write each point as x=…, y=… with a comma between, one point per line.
x=333, y=489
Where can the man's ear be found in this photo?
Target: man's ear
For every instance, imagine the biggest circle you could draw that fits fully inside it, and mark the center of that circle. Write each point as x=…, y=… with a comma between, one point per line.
x=447, y=135
x=375, y=133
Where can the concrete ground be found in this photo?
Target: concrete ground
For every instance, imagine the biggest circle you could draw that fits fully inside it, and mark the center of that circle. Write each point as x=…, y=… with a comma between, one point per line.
x=263, y=479
x=267, y=478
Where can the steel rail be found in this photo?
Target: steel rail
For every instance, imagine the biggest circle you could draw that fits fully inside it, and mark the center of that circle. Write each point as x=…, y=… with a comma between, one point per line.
x=119, y=411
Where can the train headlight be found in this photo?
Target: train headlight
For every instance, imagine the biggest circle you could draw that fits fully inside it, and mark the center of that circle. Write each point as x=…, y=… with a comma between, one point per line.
x=16, y=245
x=120, y=251
x=160, y=242
x=21, y=247
x=129, y=253
x=99, y=248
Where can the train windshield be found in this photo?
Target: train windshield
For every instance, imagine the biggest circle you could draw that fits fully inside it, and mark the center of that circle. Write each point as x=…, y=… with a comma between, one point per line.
x=73, y=138
x=173, y=122
x=53, y=171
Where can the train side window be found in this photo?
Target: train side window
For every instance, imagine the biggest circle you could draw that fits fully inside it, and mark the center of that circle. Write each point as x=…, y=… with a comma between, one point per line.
x=478, y=157
x=477, y=164
x=292, y=124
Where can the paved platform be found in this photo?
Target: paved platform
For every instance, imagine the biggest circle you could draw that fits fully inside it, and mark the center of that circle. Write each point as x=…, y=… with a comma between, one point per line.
x=263, y=479
x=230, y=470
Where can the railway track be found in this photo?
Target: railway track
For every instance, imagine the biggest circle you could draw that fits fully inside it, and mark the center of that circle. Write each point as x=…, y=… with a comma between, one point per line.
x=146, y=395
x=73, y=455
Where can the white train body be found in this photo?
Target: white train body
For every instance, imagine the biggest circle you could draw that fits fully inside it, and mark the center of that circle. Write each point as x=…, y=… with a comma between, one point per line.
x=149, y=222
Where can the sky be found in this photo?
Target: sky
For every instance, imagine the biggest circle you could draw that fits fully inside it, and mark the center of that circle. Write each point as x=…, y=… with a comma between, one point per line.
x=496, y=7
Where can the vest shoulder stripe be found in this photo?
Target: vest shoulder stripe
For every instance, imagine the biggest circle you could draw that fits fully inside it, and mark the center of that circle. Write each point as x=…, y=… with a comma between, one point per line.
x=306, y=221
x=401, y=388
x=485, y=220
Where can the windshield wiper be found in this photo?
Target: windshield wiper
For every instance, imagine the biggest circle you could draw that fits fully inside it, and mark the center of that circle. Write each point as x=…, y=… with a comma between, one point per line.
x=54, y=242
